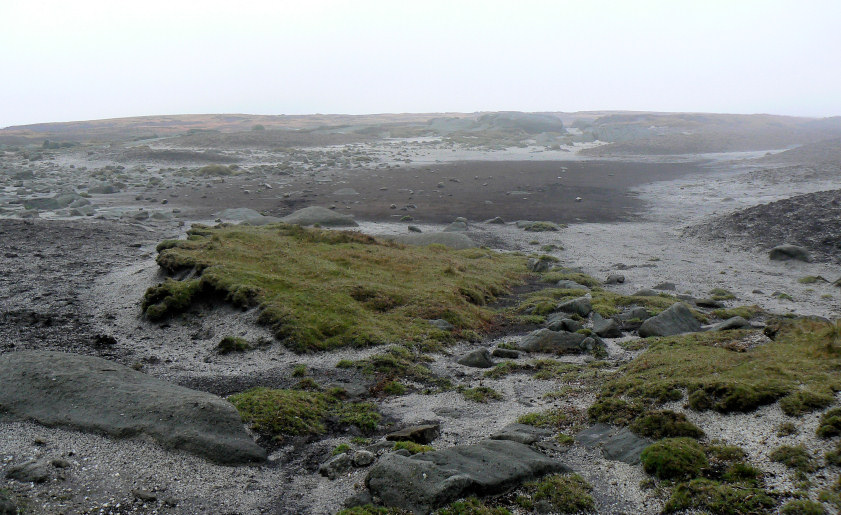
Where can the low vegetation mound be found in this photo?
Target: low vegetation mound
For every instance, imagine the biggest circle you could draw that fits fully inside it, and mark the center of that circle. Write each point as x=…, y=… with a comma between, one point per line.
x=278, y=413
x=803, y=359
x=320, y=289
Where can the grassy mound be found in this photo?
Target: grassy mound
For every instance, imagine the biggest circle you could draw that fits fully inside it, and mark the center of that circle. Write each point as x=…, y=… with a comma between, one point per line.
x=674, y=458
x=323, y=289
x=802, y=358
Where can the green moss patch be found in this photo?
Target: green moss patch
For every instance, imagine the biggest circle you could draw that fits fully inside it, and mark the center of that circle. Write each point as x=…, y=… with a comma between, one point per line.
x=278, y=413
x=565, y=493
x=472, y=506
x=321, y=289
x=665, y=424
x=412, y=447
x=830, y=423
x=805, y=401
x=715, y=497
x=715, y=377
x=674, y=458
x=230, y=344
x=481, y=394
x=795, y=457
x=746, y=312
x=802, y=507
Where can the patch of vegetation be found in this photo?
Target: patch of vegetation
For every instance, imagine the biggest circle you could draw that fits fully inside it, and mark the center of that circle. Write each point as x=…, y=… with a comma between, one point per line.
x=399, y=362
x=721, y=294
x=721, y=453
x=611, y=410
x=606, y=303
x=342, y=448
x=370, y=509
x=570, y=275
x=674, y=458
x=169, y=298
x=278, y=413
x=481, y=394
x=665, y=424
x=715, y=497
x=795, y=457
x=320, y=289
x=802, y=507
x=299, y=371
x=805, y=401
x=472, y=506
x=551, y=418
x=565, y=493
x=504, y=368
x=832, y=495
x=833, y=457
x=802, y=357
x=394, y=388
x=746, y=312
x=787, y=429
x=412, y=447
x=542, y=227
x=742, y=473
x=230, y=344
x=830, y=423
x=812, y=279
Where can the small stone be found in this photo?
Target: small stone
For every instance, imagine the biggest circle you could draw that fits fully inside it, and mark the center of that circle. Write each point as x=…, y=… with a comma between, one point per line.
x=479, y=358
x=615, y=279
x=363, y=458
x=144, y=495
x=336, y=466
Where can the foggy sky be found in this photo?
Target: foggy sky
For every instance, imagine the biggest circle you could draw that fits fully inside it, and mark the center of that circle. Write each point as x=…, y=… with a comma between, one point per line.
x=62, y=60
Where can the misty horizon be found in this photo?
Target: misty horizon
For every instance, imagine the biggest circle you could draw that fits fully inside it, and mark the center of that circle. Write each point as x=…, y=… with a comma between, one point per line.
x=95, y=60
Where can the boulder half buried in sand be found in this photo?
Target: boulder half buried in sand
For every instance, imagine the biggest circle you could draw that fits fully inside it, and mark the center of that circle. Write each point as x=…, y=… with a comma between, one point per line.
x=322, y=216
x=96, y=395
x=454, y=240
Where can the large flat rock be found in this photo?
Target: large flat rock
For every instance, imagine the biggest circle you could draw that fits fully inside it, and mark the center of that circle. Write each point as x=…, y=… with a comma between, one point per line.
x=97, y=395
x=423, y=482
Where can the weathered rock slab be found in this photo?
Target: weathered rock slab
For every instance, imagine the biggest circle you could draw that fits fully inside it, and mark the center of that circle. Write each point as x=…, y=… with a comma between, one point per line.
x=97, y=395
x=423, y=482
x=557, y=342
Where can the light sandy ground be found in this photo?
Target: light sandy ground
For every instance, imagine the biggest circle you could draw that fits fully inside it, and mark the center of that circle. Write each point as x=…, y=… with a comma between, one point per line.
x=654, y=250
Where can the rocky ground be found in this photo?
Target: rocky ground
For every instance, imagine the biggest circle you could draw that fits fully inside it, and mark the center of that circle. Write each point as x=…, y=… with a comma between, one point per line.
x=74, y=270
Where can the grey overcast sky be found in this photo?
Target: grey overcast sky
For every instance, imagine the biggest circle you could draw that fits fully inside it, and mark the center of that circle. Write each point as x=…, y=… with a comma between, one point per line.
x=77, y=60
